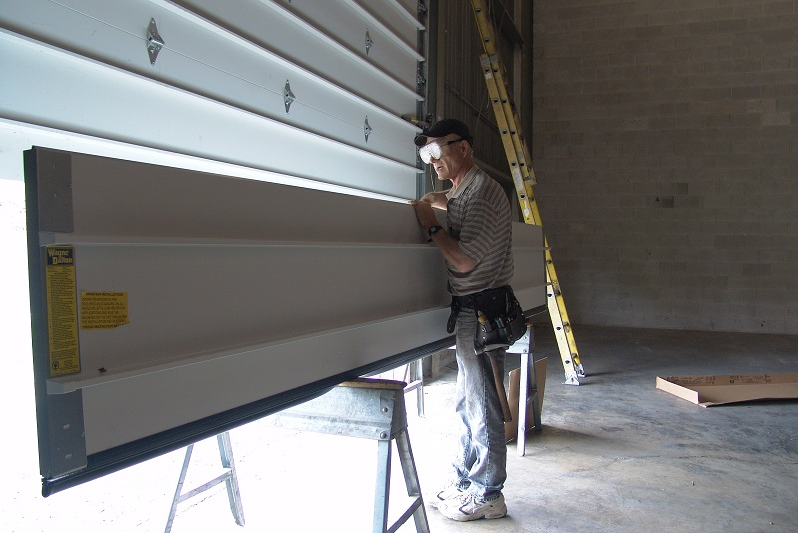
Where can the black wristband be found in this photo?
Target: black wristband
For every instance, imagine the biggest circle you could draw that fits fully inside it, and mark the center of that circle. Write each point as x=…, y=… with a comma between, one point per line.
x=433, y=229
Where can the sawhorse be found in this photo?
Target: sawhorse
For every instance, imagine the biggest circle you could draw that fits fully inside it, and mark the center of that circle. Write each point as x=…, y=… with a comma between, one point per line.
x=229, y=477
x=371, y=409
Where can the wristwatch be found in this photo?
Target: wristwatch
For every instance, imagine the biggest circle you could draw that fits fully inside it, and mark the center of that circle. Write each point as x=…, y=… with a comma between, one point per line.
x=433, y=229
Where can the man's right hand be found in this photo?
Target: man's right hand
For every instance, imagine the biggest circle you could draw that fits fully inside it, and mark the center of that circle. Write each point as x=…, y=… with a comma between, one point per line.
x=426, y=217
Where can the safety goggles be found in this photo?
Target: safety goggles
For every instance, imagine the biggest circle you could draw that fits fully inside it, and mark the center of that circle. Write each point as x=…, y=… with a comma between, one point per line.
x=433, y=150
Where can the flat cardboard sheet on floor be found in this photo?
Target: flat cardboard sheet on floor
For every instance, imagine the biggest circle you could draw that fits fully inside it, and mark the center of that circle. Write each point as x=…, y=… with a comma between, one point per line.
x=707, y=391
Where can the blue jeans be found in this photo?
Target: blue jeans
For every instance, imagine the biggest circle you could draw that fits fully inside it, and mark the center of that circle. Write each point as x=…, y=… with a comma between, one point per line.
x=482, y=451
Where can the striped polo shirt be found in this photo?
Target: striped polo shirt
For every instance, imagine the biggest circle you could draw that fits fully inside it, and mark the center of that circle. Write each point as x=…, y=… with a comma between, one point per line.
x=478, y=215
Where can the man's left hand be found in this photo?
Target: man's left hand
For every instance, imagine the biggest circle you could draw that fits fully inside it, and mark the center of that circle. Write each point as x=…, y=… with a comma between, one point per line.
x=445, y=243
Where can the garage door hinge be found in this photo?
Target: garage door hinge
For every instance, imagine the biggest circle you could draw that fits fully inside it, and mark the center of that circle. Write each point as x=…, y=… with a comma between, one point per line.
x=367, y=129
x=421, y=81
x=154, y=41
x=288, y=96
x=369, y=42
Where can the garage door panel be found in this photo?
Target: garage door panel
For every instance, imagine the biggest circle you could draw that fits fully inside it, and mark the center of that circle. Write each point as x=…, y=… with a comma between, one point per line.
x=300, y=42
x=197, y=59
x=251, y=289
x=49, y=81
x=350, y=24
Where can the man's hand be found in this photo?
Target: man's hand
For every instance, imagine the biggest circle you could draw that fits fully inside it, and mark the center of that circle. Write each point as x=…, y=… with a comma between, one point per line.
x=424, y=213
x=437, y=199
x=443, y=241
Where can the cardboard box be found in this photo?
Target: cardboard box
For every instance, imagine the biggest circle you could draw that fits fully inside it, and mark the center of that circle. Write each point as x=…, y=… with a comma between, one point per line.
x=707, y=391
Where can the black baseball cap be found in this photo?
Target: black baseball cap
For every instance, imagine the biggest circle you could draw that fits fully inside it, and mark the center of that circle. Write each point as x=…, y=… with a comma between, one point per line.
x=444, y=127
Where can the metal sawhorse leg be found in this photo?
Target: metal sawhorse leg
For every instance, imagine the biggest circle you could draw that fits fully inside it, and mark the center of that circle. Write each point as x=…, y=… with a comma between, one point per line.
x=413, y=376
x=372, y=409
x=528, y=387
x=229, y=477
x=415, y=372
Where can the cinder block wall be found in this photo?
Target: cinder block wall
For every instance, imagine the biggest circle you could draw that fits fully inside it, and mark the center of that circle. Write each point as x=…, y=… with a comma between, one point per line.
x=665, y=141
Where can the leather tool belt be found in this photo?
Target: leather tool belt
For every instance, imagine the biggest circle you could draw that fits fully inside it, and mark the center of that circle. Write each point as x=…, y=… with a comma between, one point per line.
x=501, y=319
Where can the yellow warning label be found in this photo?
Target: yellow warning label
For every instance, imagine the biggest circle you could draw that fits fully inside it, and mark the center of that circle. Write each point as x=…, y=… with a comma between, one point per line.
x=103, y=310
x=62, y=313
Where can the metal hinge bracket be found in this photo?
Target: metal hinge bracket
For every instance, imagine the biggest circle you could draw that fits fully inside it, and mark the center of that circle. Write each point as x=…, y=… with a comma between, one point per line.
x=288, y=96
x=369, y=42
x=154, y=41
x=421, y=81
x=367, y=129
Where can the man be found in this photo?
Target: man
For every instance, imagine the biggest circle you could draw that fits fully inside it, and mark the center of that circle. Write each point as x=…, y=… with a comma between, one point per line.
x=477, y=248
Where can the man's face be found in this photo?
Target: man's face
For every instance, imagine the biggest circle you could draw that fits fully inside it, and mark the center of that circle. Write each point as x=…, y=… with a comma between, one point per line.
x=452, y=155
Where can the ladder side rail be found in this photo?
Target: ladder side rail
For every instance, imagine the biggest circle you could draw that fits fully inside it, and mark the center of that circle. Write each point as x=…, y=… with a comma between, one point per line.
x=513, y=120
x=522, y=185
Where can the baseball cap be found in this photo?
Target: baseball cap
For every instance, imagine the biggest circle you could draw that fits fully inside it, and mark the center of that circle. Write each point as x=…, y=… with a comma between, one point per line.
x=444, y=127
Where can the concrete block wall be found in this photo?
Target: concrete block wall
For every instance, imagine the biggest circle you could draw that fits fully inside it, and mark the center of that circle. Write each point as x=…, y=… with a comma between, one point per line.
x=665, y=142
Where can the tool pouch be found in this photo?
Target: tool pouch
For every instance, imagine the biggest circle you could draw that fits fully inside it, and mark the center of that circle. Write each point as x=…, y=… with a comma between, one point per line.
x=501, y=319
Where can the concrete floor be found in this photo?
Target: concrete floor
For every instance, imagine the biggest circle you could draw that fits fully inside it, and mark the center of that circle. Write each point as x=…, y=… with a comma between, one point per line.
x=616, y=454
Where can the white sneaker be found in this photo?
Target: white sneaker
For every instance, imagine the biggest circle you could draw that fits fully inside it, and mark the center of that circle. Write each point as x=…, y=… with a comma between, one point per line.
x=470, y=507
x=449, y=491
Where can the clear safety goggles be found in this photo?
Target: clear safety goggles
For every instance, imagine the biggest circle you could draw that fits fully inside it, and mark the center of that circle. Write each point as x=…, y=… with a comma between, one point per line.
x=433, y=150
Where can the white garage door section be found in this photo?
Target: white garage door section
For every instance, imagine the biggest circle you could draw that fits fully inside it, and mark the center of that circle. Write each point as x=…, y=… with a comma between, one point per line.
x=303, y=89
x=157, y=320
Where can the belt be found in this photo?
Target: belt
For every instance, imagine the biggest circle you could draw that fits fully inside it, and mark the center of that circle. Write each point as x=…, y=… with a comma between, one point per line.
x=468, y=299
x=464, y=301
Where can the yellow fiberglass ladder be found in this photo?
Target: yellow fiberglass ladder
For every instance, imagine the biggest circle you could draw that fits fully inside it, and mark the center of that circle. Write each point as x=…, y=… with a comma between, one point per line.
x=523, y=178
